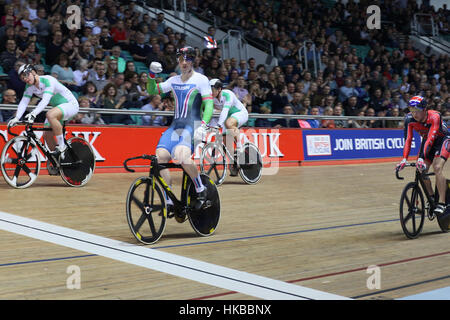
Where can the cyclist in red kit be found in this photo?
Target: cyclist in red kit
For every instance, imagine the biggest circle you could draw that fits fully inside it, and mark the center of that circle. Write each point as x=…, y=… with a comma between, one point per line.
x=435, y=147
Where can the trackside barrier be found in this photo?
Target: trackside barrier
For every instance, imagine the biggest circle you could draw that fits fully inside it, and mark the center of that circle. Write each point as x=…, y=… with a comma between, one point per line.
x=279, y=147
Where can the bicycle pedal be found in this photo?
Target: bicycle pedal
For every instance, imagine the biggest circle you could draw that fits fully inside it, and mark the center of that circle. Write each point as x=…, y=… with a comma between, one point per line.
x=180, y=219
x=207, y=204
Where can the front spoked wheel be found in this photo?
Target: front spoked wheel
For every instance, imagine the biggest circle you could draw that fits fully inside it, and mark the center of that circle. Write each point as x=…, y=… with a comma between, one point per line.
x=205, y=220
x=146, y=210
x=20, y=162
x=213, y=162
x=412, y=210
x=78, y=165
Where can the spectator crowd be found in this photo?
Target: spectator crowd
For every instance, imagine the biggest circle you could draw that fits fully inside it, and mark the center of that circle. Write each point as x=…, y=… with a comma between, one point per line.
x=105, y=61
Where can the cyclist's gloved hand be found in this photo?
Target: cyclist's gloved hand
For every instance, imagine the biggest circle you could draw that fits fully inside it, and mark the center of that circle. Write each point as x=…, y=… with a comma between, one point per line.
x=401, y=165
x=420, y=165
x=200, y=132
x=30, y=117
x=155, y=67
x=13, y=122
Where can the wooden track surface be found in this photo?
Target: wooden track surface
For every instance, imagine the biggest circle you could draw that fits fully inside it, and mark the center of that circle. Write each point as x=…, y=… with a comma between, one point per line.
x=317, y=227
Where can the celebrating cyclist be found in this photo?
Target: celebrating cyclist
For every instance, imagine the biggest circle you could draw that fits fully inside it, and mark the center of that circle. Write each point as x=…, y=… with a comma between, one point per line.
x=51, y=91
x=233, y=113
x=192, y=94
x=435, y=145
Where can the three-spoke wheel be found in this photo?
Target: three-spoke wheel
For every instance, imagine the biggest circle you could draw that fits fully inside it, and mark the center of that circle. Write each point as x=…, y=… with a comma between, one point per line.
x=412, y=210
x=146, y=210
x=20, y=162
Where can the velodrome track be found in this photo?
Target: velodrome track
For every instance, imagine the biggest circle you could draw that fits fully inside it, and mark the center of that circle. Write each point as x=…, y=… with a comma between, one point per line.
x=303, y=233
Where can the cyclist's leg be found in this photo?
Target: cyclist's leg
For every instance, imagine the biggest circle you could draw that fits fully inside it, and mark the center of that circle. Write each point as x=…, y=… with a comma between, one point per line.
x=54, y=117
x=164, y=153
x=57, y=115
x=438, y=166
x=232, y=127
x=428, y=162
x=182, y=153
x=234, y=122
x=163, y=156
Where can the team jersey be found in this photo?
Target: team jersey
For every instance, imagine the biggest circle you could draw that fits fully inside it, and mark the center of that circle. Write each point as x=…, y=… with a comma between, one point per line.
x=228, y=104
x=188, y=96
x=432, y=128
x=50, y=90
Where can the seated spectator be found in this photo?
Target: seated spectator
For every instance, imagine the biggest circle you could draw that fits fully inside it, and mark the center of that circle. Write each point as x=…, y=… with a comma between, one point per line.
x=9, y=13
x=155, y=104
x=279, y=99
x=8, y=34
x=64, y=73
x=328, y=123
x=81, y=74
x=86, y=53
x=9, y=57
x=31, y=54
x=338, y=111
x=14, y=81
x=42, y=26
x=139, y=50
x=115, y=54
x=352, y=106
x=111, y=67
x=394, y=112
x=263, y=122
x=9, y=97
x=99, y=77
x=240, y=88
x=90, y=91
x=40, y=70
x=142, y=87
x=110, y=100
x=54, y=48
x=91, y=117
x=105, y=40
x=285, y=122
x=170, y=61
x=358, y=123
x=347, y=90
x=314, y=123
x=119, y=34
x=212, y=71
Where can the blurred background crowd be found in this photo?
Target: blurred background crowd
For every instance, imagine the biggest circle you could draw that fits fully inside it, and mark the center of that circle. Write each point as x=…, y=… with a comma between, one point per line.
x=105, y=62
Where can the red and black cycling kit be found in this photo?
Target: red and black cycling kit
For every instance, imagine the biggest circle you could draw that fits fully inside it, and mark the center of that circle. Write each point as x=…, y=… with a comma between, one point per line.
x=435, y=136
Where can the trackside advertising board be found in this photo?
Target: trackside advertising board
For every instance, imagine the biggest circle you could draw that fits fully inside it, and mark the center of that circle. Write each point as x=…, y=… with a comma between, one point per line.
x=279, y=147
x=348, y=144
x=113, y=144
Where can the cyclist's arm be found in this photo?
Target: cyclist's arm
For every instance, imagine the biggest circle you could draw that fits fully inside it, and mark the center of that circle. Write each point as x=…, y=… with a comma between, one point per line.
x=208, y=108
x=434, y=129
x=157, y=88
x=23, y=104
x=408, y=135
x=46, y=97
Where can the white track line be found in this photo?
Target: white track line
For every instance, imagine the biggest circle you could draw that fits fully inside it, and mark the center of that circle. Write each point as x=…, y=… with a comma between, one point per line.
x=211, y=274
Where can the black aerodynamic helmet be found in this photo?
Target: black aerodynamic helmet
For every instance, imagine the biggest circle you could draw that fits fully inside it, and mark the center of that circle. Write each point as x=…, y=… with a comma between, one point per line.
x=188, y=53
x=216, y=83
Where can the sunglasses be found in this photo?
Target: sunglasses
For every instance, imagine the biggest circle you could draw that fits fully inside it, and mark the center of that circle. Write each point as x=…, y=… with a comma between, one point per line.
x=414, y=109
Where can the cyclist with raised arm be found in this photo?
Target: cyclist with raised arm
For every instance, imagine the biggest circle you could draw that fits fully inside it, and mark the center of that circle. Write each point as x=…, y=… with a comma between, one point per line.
x=233, y=113
x=51, y=91
x=192, y=94
x=435, y=147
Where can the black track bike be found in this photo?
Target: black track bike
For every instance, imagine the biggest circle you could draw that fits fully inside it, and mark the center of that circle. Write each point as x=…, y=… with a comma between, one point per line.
x=147, y=210
x=414, y=206
x=21, y=160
